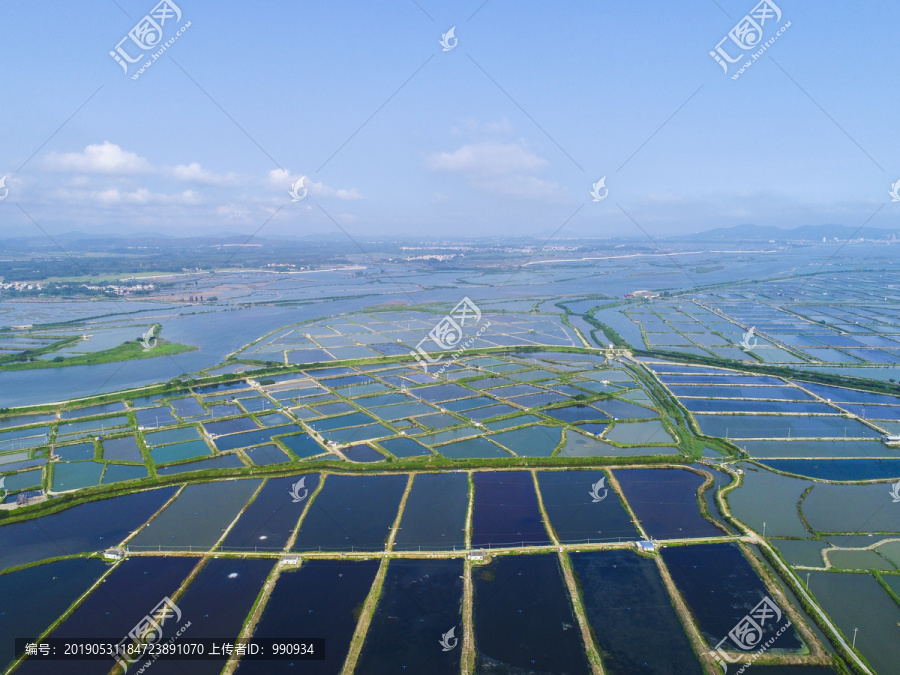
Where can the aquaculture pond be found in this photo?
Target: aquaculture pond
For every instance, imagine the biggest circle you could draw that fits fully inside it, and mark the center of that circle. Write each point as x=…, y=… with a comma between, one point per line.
x=807, y=448
x=421, y=601
x=858, y=601
x=33, y=598
x=178, y=452
x=122, y=449
x=631, y=614
x=852, y=508
x=264, y=455
x=197, y=518
x=435, y=513
x=505, y=510
x=79, y=529
x=523, y=618
x=322, y=599
x=721, y=587
x=839, y=469
x=269, y=520
x=137, y=586
x=216, y=603
x=533, y=441
x=220, y=462
x=363, y=454
x=74, y=452
x=119, y=473
x=302, y=445
x=665, y=502
x=75, y=475
x=806, y=552
x=581, y=507
x=778, y=510
x=773, y=426
x=472, y=448
x=352, y=513
x=404, y=447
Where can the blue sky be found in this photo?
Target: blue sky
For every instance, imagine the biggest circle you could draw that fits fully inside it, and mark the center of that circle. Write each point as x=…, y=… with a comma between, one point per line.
x=502, y=135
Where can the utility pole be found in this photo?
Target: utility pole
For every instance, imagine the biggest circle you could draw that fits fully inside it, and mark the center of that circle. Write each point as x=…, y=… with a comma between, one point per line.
x=807, y=580
x=854, y=637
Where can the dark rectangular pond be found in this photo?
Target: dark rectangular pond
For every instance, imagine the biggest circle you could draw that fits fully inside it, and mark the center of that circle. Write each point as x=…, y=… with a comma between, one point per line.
x=363, y=454
x=838, y=469
x=230, y=426
x=79, y=529
x=256, y=437
x=435, y=513
x=420, y=604
x=221, y=462
x=266, y=454
x=268, y=521
x=352, y=512
x=721, y=587
x=631, y=614
x=505, y=510
x=129, y=594
x=197, y=518
x=404, y=447
x=323, y=599
x=216, y=603
x=302, y=445
x=524, y=622
x=665, y=502
x=581, y=507
x=123, y=449
x=33, y=598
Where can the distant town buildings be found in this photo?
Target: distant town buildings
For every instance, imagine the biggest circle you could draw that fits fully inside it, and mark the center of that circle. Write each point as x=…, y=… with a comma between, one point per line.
x=649, y=295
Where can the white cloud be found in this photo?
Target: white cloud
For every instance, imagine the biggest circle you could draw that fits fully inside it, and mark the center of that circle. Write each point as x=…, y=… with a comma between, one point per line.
x=487, y=158
x=103, y=157
x=115, y=197
x=505, y=169
x=194, y=173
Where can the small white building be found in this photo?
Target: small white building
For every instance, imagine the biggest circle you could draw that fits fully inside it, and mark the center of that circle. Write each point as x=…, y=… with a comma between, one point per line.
x=645, y=546
x=113, y=554
x=476, y=556
x=291, y=560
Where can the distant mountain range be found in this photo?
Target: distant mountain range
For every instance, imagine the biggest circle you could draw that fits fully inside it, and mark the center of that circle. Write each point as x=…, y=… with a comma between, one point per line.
x=803, y=233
